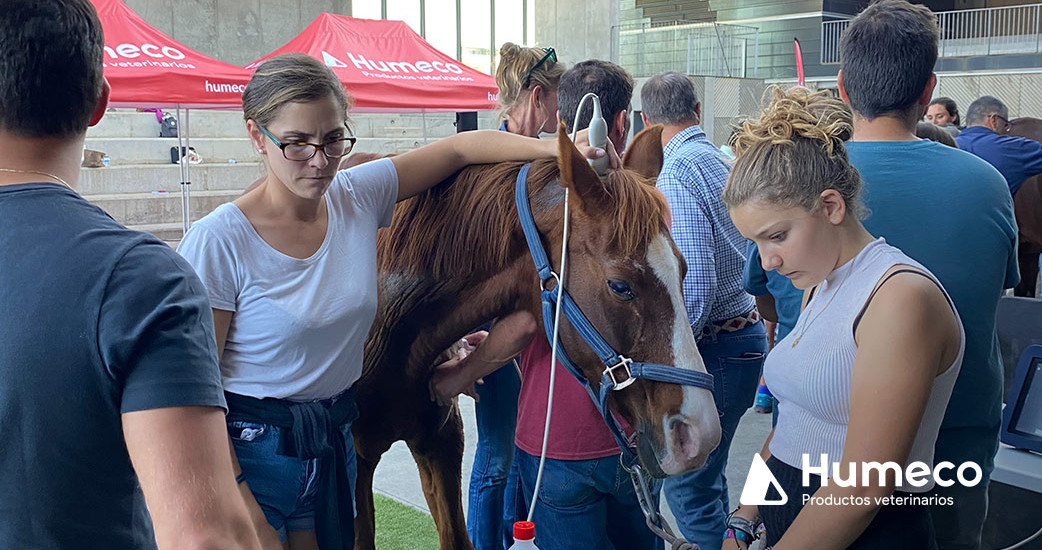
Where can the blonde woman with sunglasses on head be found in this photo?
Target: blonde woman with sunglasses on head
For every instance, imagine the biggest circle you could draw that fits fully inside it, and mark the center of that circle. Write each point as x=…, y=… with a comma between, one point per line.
x=527, y=79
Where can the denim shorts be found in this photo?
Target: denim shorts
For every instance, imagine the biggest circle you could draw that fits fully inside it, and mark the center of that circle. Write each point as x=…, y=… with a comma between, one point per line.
x=284, y=486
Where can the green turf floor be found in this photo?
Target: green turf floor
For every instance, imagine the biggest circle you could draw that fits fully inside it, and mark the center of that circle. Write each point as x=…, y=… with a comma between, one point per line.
x=402, y=527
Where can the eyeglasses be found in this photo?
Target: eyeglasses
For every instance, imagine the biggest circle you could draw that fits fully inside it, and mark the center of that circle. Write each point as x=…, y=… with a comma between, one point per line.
x=550, y=54
x=302, y=150
x=1004, y=120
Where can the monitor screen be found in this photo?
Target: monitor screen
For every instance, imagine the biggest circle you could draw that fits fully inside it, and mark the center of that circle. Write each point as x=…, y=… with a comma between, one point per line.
x=1027, y=415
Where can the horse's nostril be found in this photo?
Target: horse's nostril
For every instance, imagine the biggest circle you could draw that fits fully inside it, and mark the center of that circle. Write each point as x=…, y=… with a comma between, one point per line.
x=682, y=437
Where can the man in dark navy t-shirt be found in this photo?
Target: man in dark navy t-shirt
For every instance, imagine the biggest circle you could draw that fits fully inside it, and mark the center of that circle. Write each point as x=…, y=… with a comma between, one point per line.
x=110, y=394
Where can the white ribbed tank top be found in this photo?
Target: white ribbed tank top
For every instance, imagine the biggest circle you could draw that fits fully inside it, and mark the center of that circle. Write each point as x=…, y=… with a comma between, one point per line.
x=812, y=380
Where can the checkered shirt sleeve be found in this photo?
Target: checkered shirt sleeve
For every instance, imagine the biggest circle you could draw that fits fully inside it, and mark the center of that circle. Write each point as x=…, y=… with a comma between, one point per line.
x=692, y=180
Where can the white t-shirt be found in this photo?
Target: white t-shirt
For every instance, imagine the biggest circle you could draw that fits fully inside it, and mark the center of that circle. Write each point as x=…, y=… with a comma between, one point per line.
x=299, y=325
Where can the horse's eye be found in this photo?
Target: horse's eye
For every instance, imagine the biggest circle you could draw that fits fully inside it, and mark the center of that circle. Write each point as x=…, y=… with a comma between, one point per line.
x=621, y=289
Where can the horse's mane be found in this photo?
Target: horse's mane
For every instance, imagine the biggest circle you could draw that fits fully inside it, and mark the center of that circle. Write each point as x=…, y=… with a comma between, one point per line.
x=468, y=225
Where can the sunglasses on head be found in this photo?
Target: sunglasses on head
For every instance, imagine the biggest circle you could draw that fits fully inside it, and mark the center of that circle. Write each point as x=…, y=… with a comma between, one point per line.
x=550, y=54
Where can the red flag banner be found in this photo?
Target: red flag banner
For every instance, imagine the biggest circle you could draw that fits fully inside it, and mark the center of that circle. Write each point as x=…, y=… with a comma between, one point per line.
x=800, y=79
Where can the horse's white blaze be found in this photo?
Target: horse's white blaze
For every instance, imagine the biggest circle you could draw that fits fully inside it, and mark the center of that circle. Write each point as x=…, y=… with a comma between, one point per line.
x=699, y=408
x=666, y=267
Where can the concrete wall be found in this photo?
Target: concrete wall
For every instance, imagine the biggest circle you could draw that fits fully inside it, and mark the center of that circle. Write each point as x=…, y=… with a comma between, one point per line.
x=1022, y=93
x=725, y=103
x=577, y=29
x=238, y=31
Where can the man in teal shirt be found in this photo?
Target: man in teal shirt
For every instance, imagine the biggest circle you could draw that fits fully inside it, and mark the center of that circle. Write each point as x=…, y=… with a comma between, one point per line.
x=947, y=209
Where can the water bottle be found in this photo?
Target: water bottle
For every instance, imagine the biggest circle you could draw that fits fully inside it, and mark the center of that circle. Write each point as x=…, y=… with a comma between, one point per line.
x=524, y=536
x=764, y=403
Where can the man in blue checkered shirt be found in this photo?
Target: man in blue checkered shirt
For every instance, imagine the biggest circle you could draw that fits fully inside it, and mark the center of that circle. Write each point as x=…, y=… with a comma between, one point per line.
x=730, y=335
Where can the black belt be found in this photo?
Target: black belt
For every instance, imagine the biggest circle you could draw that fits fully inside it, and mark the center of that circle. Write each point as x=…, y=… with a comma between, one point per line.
x=314, y=432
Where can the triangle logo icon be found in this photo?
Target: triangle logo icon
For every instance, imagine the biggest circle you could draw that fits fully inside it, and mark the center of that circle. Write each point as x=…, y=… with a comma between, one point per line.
x=759, y=480
x=332, y=61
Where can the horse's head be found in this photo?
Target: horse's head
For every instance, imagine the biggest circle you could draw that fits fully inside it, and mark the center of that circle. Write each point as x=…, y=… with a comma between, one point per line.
x=1023, y=127
x=625, y=273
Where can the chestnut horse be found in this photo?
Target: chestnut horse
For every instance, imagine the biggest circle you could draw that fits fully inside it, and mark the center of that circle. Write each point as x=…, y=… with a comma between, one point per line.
x=455, y=257
x=1027, y=204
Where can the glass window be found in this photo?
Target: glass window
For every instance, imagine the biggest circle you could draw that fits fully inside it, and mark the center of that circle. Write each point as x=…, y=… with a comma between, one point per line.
x=475, y=16
x=530, y=39
x=441, y=25
x=405, y=10
x=509, y=21
x=366, y=9
x=477, y=34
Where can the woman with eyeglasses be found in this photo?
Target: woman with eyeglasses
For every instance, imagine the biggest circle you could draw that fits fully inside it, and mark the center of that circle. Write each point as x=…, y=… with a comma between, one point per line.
x=290, y=269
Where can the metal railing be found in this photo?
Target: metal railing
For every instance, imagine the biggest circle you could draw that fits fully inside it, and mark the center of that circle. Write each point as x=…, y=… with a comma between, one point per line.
x=984, y=31
x=830, y=33
x=704, y=49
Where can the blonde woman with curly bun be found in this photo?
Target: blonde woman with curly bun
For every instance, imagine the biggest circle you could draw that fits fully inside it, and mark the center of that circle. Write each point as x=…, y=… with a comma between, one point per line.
x=527, y=79
x=866, y=374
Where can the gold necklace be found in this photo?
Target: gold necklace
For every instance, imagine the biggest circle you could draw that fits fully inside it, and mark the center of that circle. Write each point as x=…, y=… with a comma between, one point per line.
x=49, y=175
x=805, y=326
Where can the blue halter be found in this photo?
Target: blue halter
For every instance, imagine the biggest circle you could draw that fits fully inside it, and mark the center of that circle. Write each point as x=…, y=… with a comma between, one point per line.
x=620, y=371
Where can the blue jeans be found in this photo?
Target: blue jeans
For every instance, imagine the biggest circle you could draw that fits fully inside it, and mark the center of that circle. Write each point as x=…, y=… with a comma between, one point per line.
x=585, y=504
x=284, y=486
x=699, y=499
x=494, y=483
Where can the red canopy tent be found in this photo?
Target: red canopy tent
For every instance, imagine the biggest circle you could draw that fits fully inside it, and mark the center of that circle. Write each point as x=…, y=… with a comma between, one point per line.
x=147, y=68
x=387, y=67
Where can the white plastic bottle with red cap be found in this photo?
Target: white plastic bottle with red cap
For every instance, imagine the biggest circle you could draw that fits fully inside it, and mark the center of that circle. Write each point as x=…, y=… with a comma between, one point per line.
x=524, y=536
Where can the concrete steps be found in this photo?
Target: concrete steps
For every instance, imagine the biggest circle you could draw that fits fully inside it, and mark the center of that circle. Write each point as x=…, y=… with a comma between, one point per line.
x=145, y=178
x=129, y=123
x=230, y=124
x=131, y=150
x=149, y=208
x=169, y=233
x=134, y=150
x=141, y=188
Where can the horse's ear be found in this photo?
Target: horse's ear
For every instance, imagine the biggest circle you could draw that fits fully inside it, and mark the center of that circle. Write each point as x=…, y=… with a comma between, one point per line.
x=644, y=154
x=577, y=174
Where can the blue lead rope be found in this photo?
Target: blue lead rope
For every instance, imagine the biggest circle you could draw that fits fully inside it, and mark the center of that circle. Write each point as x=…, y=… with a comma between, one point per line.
x=620, y=371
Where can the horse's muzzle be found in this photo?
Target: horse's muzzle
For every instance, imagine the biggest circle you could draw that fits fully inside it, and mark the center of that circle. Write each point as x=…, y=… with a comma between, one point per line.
x=689, y=436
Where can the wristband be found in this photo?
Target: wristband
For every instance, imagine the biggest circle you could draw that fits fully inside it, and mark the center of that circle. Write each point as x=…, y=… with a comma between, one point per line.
x=743, y=525
x=240, y=478
x=738, y=534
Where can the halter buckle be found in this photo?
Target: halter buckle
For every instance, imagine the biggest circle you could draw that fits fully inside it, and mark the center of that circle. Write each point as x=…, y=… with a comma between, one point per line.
x=624, y=364
x=546, y=283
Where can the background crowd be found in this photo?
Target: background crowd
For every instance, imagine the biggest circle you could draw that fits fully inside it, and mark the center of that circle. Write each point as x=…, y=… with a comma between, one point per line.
x=203, y=398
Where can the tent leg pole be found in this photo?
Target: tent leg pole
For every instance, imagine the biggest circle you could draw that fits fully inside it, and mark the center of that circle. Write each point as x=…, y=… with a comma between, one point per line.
x=423, y=115
x=181, y=168
x=188, y=171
